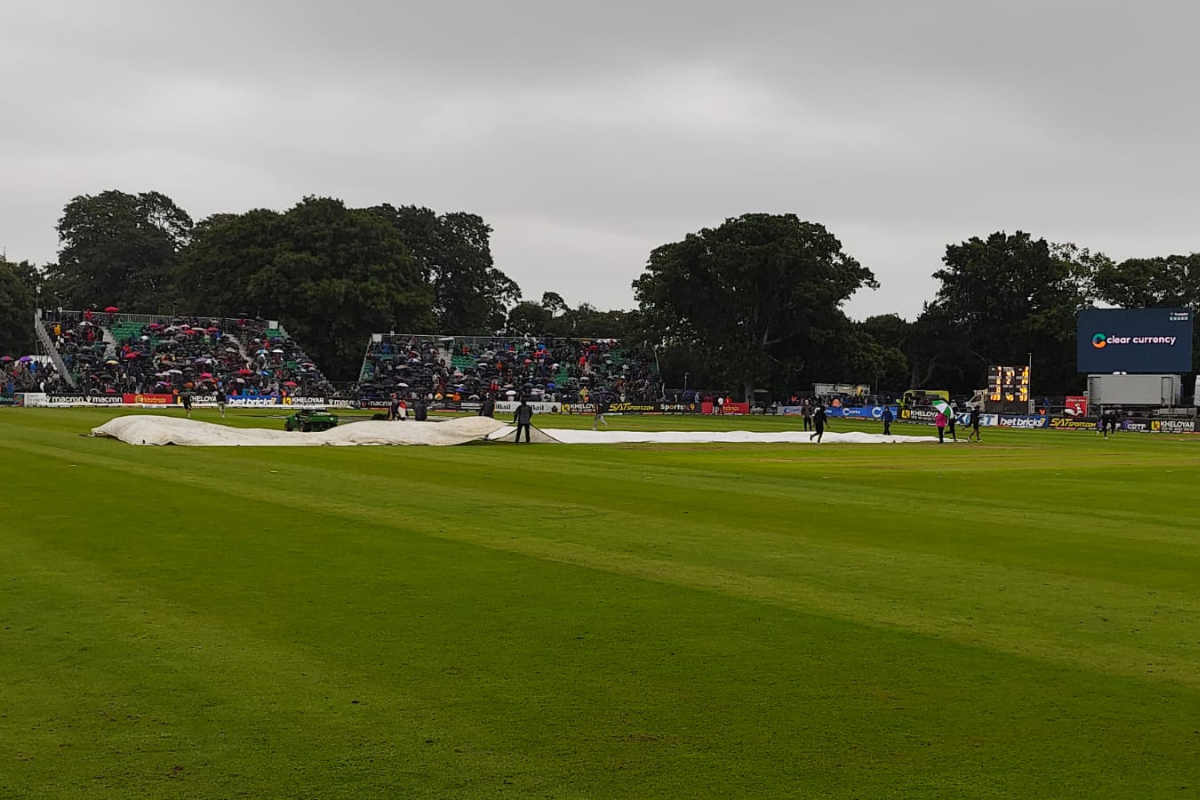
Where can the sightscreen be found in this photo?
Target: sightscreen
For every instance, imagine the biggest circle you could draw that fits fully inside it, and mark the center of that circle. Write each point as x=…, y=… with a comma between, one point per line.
x=1134, y=340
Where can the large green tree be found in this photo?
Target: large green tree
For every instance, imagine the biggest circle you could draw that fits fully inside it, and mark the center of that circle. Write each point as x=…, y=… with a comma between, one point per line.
x=332, y=275
x=759, y=296
x=554, y=317
x=453, y=252
x=1002, y=300
x=119, y=249
x=1161, y=282
x=18, y=297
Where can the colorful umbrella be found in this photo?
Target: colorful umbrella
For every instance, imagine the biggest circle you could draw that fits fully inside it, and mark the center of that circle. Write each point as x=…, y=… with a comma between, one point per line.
x=111, y=310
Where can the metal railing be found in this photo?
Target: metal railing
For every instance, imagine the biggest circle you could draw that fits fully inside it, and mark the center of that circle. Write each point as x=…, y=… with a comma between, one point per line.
x=52, y=351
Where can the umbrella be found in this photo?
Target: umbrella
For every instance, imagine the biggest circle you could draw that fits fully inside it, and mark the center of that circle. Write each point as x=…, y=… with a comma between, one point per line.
x=277, y=351
x=85, y=324
x=111, y=310
x=25, y=359
x=290, y=383
x=212, y=330
x=132, y=355
x=145, y=338
x=244, y=372
x=511, y=393
x=261, y=353
x=402, y=385
x=205, y=374
x=174, y=372
x=112, y=362
x=6, y=359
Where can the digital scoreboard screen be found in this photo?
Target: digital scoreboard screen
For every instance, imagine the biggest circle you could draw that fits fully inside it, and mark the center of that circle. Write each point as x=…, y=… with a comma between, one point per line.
x=1008, y=386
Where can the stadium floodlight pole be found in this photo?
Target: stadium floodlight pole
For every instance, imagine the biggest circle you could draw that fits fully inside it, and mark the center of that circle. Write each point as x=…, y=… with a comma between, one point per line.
x=1029, y=384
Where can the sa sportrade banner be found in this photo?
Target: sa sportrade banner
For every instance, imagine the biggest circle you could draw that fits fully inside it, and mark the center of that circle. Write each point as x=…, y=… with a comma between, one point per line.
x=1073, y=423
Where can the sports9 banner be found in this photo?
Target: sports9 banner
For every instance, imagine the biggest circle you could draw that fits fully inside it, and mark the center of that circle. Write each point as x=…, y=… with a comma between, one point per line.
x=1134, y=340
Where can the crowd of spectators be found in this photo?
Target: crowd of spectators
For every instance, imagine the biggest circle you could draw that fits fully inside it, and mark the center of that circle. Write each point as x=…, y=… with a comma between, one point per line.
x=471, y=369
x=28, y=374
x=110, y=354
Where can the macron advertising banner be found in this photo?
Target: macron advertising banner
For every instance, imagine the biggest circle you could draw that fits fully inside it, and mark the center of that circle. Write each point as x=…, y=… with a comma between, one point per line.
x=1145, y=340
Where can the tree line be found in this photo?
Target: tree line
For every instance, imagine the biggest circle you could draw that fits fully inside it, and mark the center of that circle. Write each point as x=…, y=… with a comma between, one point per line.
x=754, y=303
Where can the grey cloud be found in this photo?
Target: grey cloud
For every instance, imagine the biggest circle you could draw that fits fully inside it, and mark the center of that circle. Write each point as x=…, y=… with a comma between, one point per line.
x=589, y=133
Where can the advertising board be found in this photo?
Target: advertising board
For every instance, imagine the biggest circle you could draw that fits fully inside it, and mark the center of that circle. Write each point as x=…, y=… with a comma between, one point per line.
x=1172, y=426
x=1073, y=423
x=509, y=406
x=1134, y=340
x=1076, y=406
x=728, y=408
x=921, y=416
x=1023, y=421
x=253, y=402
x=148, y=399
x=84, y=399
x=861, y=412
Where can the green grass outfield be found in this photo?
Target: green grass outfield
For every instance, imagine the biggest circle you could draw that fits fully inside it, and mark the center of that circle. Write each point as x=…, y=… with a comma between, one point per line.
x=1019, y=618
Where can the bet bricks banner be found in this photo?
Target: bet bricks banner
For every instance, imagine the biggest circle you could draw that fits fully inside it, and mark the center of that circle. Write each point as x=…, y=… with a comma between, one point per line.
x=1134, y=340
x=1023, y=421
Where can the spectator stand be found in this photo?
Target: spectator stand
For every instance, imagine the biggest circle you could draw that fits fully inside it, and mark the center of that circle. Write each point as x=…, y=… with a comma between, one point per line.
x=113, y=353
x=456, y=369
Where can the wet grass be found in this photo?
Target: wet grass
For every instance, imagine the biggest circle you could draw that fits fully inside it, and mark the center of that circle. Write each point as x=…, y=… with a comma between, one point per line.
x=1019, y=618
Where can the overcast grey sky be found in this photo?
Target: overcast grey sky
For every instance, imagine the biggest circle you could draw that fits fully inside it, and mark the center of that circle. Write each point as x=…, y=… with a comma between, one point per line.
x=589, y=133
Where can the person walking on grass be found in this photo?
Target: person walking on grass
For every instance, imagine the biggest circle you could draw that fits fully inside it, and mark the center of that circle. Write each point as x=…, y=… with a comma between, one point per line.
x=221, y=401
x=940, y=422
x=886, y=417
x=599, y=414
x=974, y=422
x=818, y=420
x=523, y=417
x=186, y=398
